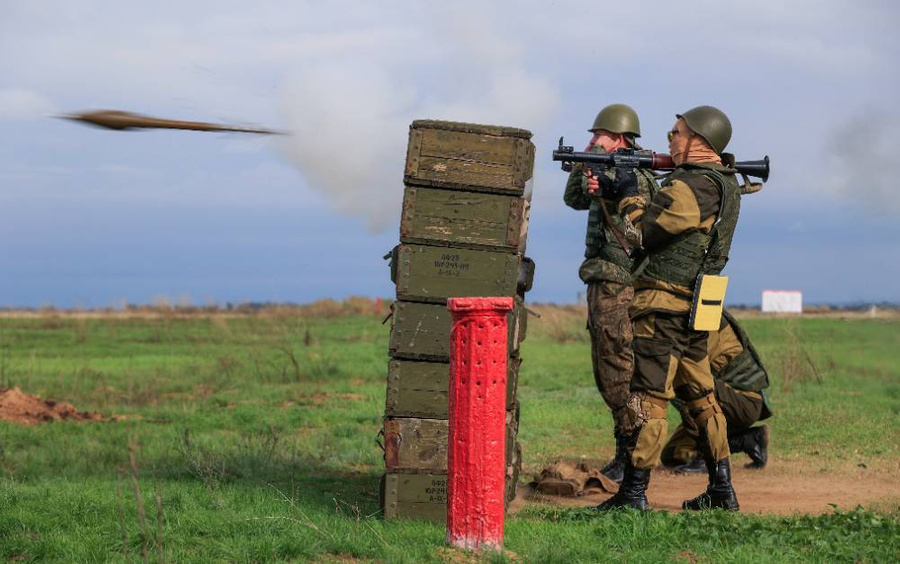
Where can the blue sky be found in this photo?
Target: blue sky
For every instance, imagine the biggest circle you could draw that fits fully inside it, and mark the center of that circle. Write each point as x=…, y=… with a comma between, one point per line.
x=94, y=217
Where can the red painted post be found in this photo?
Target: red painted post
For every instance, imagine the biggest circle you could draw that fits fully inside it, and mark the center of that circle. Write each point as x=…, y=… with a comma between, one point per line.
x=476, y=457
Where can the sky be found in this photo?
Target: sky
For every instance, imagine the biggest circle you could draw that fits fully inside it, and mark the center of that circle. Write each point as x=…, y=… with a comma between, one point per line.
x=97, y=218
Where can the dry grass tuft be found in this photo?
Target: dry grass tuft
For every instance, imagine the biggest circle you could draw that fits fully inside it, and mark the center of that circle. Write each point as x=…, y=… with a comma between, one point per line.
x=796, y=365
x=561, y=324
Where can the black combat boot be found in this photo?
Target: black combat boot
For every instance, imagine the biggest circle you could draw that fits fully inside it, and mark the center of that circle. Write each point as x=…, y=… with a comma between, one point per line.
x=615, y=470
x=632, y=492
x=719, y=494
x=754, y=442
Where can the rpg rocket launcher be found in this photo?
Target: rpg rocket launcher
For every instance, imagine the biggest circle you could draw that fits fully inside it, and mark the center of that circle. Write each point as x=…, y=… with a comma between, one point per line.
x=638, y=158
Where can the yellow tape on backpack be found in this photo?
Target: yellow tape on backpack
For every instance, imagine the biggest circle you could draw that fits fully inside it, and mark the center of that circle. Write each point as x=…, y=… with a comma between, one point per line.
x=709, y=299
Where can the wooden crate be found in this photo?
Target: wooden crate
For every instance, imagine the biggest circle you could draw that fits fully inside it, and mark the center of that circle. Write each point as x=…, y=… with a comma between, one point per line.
x=415, y=445
x=421, y=331
x=419, y=446
x=433, y=216
x=469, y=156
x=415, y=496
x=423, y=495
x=419, y=388
x=432, y=274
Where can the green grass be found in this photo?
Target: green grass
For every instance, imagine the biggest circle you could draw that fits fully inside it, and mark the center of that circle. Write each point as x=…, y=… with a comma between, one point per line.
x=258, y=433
x=854, y=401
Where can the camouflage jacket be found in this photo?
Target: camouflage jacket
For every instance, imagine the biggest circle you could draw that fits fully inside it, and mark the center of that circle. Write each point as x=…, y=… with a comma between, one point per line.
x=605, y=259
x=676, y=232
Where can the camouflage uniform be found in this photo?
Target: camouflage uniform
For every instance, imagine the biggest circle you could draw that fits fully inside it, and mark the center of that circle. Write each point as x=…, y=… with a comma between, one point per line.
x=741, y=381
x=670, y=357
x=605, y=270
x=685, y=231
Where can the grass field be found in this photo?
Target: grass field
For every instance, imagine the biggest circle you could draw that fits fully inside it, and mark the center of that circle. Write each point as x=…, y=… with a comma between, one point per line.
x=251, y=438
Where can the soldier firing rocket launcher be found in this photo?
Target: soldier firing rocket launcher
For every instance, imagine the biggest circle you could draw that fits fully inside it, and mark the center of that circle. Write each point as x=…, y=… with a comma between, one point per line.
x=631, y=158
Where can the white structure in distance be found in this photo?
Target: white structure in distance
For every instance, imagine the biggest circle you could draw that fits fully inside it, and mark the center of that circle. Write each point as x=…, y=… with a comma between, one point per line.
x=782, y=301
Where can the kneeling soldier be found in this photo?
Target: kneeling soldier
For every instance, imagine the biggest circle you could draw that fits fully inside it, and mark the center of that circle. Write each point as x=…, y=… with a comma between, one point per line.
x=741, y=383
x=685, y=232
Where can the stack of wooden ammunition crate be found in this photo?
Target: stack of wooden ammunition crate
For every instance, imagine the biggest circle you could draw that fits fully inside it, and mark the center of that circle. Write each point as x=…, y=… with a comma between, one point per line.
x=462, y=233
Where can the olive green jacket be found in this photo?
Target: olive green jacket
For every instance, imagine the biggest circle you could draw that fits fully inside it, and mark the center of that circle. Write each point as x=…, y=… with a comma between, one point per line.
x=605, y=258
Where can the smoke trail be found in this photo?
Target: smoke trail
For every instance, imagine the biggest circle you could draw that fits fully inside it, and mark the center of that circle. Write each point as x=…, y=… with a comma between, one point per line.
x=348, y=138
x=351, y=119
x=860, y=151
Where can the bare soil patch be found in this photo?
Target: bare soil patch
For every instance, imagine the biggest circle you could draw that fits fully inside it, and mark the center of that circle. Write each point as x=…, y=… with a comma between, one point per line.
x=782, y=488
x=25, y=409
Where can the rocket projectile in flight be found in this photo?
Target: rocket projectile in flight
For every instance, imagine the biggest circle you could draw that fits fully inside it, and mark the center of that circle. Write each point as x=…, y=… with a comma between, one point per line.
x=118, y=120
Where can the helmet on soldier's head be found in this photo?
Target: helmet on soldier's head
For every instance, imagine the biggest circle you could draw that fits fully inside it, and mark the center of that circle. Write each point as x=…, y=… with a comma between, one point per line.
x=711, y=124
x=618, y=118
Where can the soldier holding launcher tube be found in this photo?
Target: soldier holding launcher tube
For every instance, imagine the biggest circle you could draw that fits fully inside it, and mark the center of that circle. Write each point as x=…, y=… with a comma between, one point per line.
x=607, y=266
x=685, y=235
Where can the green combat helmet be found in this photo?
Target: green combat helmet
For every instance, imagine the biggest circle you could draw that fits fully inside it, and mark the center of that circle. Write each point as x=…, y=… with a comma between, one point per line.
x=618, y=118
x=709, y=123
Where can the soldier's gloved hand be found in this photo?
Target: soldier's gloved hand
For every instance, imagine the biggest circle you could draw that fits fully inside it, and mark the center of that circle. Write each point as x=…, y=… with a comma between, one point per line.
x=593, y=184
x=625, y=184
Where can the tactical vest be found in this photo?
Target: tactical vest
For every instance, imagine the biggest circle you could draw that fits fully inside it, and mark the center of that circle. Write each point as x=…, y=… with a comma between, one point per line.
x=599, y=241
x=746, y=371
x=593, y=240
x=693, y=253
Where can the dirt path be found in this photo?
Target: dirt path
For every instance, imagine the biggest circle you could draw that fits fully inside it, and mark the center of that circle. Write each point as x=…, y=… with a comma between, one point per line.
x=783, y=488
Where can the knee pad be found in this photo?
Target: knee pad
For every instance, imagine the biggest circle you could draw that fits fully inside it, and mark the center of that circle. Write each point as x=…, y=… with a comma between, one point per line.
x=652, y=427
x=644, y=407
x=707, y=415
x=702, y=409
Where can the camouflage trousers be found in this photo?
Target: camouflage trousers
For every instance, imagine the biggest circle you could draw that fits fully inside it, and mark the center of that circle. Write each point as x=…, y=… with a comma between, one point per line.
x=611, y=335
x=741, y=410
x=671, y=359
